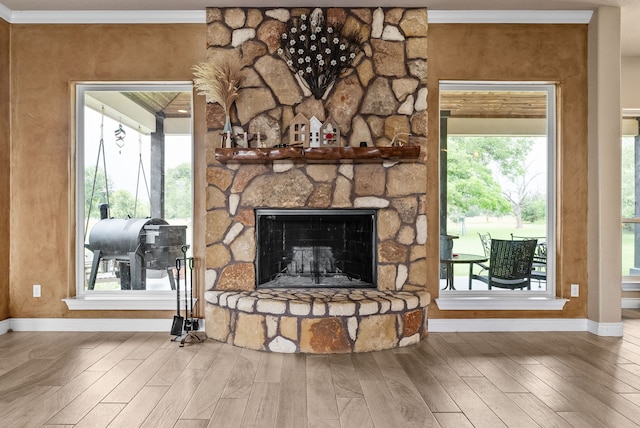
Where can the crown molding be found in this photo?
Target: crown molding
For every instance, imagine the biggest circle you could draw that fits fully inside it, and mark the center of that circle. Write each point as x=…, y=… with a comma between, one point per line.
x=107, y=17
x=5, y=13
x=199, y=16
x=509, y=16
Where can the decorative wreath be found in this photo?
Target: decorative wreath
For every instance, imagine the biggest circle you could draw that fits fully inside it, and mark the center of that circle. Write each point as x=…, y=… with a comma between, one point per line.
x=319, y=53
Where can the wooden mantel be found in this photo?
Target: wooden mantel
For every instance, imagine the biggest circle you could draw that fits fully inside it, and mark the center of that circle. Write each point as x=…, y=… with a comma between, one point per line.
x=317, y=154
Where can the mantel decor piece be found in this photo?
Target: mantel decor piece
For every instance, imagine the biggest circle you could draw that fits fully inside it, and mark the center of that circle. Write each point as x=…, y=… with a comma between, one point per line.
x=319, y=52
x=318, y=154
x=220, y=83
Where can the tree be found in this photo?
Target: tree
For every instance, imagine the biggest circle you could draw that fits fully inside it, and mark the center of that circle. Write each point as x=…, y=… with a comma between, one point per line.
x=177, y=198
x=628, y=178
x=95, y=195
x=123, y=204
x=470, y=184
x=519, y=194
x=489, y=173
x=535, y=208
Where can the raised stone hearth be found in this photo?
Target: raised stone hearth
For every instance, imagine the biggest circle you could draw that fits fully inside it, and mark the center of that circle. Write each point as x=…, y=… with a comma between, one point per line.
x=317, y=321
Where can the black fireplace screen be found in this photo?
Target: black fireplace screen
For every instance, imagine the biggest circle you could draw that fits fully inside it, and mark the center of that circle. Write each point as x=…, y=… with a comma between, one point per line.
x=316, y=248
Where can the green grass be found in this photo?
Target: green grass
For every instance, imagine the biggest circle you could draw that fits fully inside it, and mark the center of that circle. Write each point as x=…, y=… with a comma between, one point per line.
x=499, y=228
x=469, y=242
x=628, y=251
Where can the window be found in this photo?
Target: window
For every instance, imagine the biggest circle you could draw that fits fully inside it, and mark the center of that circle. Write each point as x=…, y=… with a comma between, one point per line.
x=630, y=166
x=497, y=181
x=134, y=203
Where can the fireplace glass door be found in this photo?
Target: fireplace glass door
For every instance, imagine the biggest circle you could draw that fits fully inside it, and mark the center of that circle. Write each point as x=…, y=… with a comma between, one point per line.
x=315, y=248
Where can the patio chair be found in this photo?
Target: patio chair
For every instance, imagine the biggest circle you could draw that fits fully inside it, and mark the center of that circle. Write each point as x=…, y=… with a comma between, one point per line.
x=510, y=264
x=539, y=266
x=485, y=240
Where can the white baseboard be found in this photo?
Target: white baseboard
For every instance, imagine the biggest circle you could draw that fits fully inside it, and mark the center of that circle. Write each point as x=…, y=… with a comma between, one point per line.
x=5, y=326
x=605, y=328
x=435, y=325
x=89, y=324
x=443, y=325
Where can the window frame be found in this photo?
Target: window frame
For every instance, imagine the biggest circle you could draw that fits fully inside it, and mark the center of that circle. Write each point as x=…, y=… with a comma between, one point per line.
x=630, y=282
x=114, y=299
x=516, y=299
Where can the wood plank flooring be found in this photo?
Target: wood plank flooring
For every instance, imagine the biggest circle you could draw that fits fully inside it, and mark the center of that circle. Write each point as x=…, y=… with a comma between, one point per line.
x=449, y=380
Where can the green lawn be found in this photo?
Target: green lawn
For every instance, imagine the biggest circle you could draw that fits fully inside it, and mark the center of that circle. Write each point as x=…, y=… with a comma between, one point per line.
x=627, y=250
x=468, y=240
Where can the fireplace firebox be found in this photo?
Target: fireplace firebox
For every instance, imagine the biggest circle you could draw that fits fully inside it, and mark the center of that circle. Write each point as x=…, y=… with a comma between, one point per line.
x=316, y=248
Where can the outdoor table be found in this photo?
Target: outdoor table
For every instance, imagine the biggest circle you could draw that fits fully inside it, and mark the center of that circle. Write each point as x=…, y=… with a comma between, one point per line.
x=461, y=258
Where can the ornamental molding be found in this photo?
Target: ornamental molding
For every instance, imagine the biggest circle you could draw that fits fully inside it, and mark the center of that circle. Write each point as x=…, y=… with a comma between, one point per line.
x=509, y=16
x=199, y=16
x=104, y=16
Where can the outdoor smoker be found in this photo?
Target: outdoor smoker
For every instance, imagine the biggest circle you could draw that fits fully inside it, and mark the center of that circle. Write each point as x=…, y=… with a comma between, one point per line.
x=136, y=244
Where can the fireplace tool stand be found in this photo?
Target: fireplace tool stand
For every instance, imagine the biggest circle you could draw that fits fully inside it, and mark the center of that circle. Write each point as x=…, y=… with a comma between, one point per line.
x=191, y=324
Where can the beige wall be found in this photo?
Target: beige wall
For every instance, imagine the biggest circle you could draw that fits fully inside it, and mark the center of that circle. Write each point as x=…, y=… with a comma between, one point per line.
x=45, y=61
x=551, y=53
x=4, y=168
x=605, y=233
x=630, y=97
x=47, y=58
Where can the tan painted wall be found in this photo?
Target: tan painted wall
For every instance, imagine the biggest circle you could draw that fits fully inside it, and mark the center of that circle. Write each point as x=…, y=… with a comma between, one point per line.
x=605, y=233
x=630, y=82
x=4, y=168
x=46, y=60
x=551, y=53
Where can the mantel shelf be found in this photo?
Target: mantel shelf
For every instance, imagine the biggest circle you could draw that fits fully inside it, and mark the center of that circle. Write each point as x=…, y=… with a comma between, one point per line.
x=318, y=154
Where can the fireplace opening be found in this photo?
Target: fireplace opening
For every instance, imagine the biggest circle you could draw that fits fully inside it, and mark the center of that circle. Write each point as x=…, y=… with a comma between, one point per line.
x=316, y=248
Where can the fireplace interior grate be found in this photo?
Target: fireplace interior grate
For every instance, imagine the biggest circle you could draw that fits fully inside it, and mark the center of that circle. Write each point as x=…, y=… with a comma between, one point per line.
x=316, y=248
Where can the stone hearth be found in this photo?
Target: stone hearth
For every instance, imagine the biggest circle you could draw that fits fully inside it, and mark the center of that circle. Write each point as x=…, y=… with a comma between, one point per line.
x=317, y=321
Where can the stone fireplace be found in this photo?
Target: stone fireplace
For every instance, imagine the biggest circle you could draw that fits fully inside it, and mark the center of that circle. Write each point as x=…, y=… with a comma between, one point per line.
x=385, y=95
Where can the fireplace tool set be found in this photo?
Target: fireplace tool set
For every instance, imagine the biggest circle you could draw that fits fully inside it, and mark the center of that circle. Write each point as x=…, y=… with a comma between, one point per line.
x=183, y=327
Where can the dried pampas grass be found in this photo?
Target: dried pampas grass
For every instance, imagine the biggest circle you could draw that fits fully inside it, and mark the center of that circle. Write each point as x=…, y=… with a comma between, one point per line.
x=219, y=81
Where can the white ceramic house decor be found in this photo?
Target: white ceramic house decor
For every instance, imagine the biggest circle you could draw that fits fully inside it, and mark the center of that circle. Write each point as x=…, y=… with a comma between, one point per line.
x=299, y=131
x=314, y=131
x=330, y=134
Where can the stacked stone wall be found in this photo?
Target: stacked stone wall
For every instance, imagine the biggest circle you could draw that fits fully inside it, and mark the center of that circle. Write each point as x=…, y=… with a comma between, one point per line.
x=384, y=95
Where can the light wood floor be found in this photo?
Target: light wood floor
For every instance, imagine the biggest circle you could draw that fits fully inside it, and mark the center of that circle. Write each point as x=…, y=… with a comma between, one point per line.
x=449, y=380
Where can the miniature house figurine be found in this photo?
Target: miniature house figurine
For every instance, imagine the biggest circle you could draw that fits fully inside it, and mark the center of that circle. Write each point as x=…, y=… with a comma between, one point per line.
x=330, y=134
x=299, y=131
x=314, y=131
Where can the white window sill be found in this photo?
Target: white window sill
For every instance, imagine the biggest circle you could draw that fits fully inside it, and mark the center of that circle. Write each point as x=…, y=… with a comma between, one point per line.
x=501, y=303
x=630, y=285
x=124, y=303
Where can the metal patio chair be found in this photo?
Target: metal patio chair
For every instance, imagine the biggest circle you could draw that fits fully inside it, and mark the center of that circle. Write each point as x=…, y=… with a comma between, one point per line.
x=510, y=263
x=539, y=266
x=485, y=240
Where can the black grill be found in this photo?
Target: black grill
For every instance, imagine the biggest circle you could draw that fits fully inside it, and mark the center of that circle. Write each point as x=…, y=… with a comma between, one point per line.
x=136, y=244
